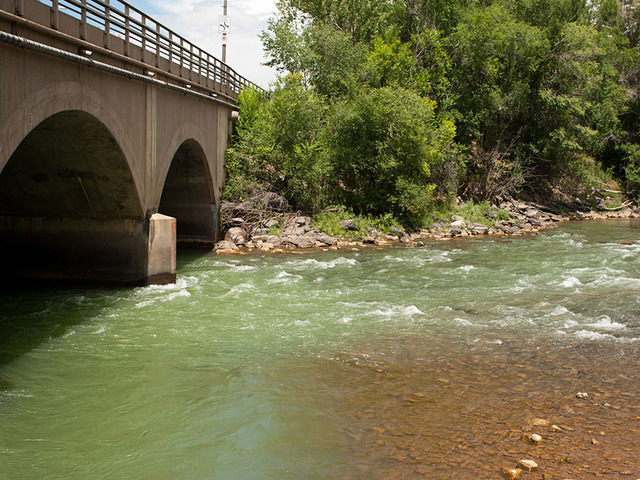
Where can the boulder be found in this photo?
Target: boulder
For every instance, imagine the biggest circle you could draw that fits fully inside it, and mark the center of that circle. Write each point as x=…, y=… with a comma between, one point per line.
x=306, y=242
x=266, y=246
x=397, y=232
x=349, y=225
x=273, y=223
x=459, y=224
x=457, y=218
x=236, y=235
x=532, y=438
x=302, y=221
x=326, y=239
x=225, y=247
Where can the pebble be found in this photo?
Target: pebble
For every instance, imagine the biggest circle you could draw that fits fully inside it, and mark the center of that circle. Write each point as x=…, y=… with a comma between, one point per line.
x=532, y=438
x=511, y=473
x=539, y=422
x=582, y=395
x=528, y=465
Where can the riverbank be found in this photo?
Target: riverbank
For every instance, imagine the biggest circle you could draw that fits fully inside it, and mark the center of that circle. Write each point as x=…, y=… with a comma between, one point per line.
x=291, y=233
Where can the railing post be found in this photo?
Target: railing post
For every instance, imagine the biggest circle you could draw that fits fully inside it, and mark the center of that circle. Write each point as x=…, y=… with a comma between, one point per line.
x=170, y=51
x=181, y=56
x=144, y=39
x=191, y=62
x=107, y=25
x=83, y=20
x=20, y=8
x=207, y=71
x=126, y=30
x=158, y=44
x=55, y=14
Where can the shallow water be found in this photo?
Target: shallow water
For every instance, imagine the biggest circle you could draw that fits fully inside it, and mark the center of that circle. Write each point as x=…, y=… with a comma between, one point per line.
x=372, y=364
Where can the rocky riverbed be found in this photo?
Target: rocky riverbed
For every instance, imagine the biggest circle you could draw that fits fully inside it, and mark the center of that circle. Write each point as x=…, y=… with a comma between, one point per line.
x=295, y=232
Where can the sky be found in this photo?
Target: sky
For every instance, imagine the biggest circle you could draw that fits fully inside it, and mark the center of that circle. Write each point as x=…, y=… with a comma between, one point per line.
x=197, y=21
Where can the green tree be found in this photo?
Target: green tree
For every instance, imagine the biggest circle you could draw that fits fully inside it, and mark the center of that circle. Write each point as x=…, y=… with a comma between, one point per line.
x=583, y=95
x=276, y=145
x=497, y=64
x=421, y=65
x=381, y=147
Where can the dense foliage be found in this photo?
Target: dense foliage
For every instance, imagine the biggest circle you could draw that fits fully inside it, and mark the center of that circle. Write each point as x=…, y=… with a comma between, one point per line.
x=385, y=106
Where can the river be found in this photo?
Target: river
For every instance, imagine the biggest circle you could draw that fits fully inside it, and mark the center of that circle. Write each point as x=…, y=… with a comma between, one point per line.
x=374, y=364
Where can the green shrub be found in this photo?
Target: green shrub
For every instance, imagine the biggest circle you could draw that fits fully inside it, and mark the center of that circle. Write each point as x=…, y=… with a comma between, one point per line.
x=380, y=147
x=328, y=221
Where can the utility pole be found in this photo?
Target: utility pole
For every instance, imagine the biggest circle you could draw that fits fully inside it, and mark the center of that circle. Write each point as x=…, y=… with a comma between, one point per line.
x=224, y=35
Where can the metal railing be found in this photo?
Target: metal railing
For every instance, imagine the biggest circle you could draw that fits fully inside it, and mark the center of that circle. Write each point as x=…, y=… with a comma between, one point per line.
x=157, y=46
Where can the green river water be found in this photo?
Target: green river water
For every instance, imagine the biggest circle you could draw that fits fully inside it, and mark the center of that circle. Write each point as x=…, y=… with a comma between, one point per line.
x=371, y=364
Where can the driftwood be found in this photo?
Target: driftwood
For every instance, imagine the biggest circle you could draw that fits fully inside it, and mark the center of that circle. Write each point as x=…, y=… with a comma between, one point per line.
x=604, y=190
x=624, y=205
x=256, y=210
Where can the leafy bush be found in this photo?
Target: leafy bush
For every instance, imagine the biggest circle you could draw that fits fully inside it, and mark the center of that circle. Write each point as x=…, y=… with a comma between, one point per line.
x=380, y=147
x=276, y=146
x=328, y=221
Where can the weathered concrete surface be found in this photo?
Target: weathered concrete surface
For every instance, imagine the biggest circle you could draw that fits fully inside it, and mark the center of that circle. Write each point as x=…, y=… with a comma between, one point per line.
x=82, y=249
x=87, y=157
x=161, y=266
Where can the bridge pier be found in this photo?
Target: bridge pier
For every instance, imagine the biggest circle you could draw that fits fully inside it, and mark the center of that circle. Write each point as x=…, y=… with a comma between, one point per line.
x=118, y=251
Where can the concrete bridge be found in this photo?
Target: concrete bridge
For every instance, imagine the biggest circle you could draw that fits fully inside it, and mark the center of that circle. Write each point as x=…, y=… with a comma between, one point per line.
x=112, y=136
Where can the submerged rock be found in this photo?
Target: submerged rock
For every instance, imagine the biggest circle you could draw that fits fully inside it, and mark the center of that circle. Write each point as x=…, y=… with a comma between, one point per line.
x=528, y=465
x=511, y=473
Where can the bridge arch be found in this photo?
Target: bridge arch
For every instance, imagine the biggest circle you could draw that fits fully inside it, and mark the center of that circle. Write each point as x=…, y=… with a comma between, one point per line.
x=58, y=97
x=69, y=206
x=188, y=191
x=69, y=165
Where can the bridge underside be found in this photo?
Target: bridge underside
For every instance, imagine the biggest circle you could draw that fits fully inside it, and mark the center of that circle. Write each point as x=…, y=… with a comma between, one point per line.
x=188, y=196
x=69, y=208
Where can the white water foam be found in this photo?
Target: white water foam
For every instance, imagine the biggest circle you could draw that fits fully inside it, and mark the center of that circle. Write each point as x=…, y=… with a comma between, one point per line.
x=607, y=324
x=284, y=278
x=466, y=268
x=570, y=282
x=323, y=265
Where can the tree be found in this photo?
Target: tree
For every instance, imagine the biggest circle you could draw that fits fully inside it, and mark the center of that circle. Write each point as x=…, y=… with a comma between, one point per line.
x=276, y=145
x=381, y=147
x=497, y=66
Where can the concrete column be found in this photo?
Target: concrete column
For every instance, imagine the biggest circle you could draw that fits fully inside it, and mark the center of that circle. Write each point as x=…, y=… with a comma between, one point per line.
x=161, y=258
